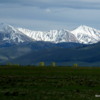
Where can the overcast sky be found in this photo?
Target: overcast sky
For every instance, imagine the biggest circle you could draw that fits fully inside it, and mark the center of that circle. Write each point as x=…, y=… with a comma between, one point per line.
x=50, y=14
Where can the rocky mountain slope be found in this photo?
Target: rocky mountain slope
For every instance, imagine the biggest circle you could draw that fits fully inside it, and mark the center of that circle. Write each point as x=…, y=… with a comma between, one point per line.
x=82, y=34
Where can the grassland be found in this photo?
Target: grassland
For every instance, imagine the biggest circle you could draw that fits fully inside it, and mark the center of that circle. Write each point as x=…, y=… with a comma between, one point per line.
x=49, y=83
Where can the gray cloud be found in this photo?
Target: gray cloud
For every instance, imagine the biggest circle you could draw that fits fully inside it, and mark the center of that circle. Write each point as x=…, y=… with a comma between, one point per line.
x=76, y=4
x=50, y=14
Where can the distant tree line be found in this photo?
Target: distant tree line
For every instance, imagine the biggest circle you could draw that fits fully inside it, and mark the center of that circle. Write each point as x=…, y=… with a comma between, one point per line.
x=41, y=64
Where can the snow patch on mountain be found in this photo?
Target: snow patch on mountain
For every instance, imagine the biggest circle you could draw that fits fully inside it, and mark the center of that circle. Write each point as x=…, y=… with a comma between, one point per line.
x=12, y=35
x=55, y=36
x=86, y=34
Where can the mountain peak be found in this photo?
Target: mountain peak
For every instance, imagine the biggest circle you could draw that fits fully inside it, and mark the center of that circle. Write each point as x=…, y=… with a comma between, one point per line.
x=10, y=34
x=86, y=30
x=86, y=34
x=6, y=27
x=84, y=27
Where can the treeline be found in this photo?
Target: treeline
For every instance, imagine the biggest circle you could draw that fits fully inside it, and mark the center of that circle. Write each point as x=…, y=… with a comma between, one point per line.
x=40, y=64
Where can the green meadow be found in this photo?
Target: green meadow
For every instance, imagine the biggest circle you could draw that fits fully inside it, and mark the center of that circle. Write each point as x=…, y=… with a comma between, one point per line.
x=49, y=83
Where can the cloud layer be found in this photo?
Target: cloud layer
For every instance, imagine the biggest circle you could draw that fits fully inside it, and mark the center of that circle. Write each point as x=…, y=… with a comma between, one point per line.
x=50, y=14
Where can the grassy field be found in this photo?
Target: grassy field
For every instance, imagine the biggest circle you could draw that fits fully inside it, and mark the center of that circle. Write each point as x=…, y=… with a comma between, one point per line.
x=49, y=83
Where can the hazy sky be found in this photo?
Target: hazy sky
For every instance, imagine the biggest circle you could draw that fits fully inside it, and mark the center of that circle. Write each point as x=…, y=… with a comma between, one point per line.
x=50, y=14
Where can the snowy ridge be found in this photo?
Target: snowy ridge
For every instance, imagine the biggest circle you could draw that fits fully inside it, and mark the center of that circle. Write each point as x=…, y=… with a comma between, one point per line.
x=10, y=34
x=87, y=35
x=55, y=36
x=82, y=34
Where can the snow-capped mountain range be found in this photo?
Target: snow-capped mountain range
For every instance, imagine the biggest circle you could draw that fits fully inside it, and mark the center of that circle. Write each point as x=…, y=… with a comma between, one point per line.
x=82, y=34
x=10, y=34
x=55, y=36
